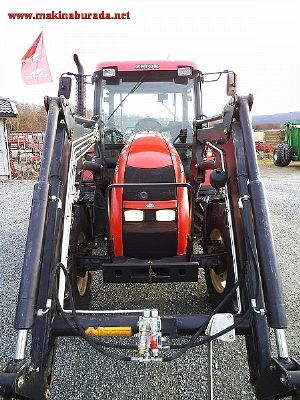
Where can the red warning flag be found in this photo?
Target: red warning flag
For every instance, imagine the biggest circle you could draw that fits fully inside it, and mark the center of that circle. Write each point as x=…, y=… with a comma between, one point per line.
x=35, y=67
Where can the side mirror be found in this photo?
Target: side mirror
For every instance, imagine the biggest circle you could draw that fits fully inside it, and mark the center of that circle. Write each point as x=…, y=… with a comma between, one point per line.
x=231, y=84
x=65, y=85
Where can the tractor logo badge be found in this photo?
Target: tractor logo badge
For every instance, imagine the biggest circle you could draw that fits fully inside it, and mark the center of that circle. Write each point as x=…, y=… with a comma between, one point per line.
x=150, y=205
x=147, y=66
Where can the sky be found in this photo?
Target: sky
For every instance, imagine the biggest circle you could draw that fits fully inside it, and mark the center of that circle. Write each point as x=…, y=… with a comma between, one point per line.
x=258, y=39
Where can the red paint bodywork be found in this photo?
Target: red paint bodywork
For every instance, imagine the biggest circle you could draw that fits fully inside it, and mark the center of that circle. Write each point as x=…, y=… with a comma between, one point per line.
x=157, y=205
x=183, y=210
x=116, y=206
x=163, y=65
x=149, y=150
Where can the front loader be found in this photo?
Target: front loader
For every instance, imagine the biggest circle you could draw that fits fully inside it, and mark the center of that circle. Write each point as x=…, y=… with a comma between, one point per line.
x=149, y=190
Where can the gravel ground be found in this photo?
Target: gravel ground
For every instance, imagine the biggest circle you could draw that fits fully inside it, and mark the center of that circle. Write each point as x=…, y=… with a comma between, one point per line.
x=81, y=373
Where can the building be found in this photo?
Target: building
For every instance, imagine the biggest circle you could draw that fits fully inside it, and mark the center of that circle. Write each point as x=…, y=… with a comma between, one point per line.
x=7, y=110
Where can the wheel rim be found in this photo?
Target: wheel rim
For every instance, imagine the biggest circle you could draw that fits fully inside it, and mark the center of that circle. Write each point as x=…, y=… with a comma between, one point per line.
x=218, y=280
x=82, y=282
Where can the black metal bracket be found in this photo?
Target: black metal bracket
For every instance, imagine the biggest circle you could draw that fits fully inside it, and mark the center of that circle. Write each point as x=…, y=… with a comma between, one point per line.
x=209, y=260
x=15, y=378
x=91, y=263
x=150, y=271
x=281, y=379
x=171, y=326
x=96, y=263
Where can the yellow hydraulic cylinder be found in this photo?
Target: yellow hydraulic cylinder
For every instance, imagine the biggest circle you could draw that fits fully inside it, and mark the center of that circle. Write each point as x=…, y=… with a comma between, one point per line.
x=109, y=331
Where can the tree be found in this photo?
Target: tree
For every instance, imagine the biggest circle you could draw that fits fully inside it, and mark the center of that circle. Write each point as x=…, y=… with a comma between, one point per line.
x=267, y=126
x=32, y=117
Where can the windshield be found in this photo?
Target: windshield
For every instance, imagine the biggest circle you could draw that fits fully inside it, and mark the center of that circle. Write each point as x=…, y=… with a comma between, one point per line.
x=160, y=102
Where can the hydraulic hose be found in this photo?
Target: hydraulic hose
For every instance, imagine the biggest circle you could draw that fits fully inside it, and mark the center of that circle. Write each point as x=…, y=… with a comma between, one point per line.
x=97, y=344
x=78, y=328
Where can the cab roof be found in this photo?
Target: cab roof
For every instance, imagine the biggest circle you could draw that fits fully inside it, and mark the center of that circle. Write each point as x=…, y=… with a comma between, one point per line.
x=161, y=65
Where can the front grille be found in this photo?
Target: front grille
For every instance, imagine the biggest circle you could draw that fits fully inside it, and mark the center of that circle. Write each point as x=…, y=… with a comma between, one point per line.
x=149, y=175
x=150, y=240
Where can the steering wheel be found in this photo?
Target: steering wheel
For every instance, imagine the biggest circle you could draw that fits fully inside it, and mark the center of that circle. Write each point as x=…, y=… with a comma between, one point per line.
x=148, y=124
x=113, y=136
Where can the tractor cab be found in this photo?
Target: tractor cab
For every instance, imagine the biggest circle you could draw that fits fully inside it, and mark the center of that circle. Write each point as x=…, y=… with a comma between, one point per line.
x=142, y=97
x=133, y=97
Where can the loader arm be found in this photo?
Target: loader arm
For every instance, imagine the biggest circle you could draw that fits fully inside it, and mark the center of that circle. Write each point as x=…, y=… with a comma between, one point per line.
x=47, y=244
x=272, y=377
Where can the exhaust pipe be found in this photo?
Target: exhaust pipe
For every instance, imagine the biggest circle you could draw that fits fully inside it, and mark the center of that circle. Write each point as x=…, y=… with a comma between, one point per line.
x=80, y=88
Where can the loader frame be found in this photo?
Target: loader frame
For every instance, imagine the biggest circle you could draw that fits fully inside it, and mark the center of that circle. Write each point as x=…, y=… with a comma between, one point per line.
x=39, y=310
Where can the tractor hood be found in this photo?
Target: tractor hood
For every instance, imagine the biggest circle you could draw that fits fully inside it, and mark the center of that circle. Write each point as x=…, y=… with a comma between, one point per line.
x=149, y=150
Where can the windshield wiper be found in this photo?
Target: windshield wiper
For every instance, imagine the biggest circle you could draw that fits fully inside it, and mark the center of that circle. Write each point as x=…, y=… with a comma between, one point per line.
x=135, y=87
x=170, y=111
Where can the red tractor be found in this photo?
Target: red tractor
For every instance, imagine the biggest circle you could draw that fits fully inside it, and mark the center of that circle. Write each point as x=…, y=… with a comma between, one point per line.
x=149, y=190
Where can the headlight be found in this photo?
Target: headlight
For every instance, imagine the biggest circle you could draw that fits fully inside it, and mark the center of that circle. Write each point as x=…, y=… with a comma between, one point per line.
x=165, y=215
x=184, y=71
x=133, y=215
x=109, y=72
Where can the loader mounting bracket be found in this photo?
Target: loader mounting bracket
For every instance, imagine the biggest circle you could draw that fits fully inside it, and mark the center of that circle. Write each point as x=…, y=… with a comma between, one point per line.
x=281, y=378
x=15, y=379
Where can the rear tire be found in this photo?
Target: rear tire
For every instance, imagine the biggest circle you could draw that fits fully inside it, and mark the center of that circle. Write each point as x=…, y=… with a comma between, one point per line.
x=219, y=281
x=282, y=155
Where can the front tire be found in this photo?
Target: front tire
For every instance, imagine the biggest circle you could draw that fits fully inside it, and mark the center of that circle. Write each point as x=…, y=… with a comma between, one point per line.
x=220, y=280
x=80, y=280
